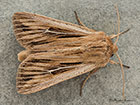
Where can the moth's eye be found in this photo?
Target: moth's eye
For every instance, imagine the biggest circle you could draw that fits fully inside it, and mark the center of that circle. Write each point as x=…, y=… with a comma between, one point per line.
x=112, y=55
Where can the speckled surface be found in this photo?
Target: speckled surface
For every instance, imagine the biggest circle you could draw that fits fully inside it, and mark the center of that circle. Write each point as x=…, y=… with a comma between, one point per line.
x=105, y=86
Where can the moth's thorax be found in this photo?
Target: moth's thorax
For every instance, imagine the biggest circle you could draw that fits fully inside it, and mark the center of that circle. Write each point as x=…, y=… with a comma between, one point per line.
x=99, y=49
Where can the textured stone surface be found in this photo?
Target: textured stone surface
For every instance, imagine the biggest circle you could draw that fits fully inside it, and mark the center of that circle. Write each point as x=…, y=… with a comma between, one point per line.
x=105, y=86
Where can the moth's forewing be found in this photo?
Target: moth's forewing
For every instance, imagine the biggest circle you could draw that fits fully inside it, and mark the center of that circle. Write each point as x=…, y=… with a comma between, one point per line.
x=34, y=75
x=54, y=57
x=30, y=29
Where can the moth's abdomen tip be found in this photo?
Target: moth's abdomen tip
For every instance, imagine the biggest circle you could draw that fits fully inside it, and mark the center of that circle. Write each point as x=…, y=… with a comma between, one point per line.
x=23, y=55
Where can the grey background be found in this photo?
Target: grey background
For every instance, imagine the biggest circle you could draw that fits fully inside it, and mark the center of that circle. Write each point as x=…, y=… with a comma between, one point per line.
x=105, y=86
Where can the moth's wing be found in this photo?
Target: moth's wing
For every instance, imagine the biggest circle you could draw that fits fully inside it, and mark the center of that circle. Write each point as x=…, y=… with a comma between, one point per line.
x=38, y=71
x=32, y=29
x=58, y=51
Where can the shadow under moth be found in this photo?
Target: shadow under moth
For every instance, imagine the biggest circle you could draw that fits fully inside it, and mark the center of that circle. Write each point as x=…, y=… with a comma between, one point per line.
x=56, y=51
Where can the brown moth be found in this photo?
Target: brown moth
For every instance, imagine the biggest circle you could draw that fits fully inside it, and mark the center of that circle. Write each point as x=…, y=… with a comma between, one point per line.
x=56, y=51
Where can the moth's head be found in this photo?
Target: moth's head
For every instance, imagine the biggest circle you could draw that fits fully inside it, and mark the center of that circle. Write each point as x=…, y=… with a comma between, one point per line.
x=114, y=51
x=115, y=48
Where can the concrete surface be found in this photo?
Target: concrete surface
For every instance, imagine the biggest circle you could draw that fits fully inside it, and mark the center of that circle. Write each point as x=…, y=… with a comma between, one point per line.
x=105, y=86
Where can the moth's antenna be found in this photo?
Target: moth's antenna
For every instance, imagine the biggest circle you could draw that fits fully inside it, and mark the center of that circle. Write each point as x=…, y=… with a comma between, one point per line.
x=113, y=36
x=122, y=75
x=118, y=15
x=116, y=53
x=119, y=33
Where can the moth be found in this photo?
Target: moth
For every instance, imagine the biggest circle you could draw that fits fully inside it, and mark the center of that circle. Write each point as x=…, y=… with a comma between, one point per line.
x=56, y=51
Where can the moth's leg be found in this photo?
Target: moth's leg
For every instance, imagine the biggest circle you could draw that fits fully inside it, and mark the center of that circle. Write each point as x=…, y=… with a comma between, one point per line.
x=113, y=62
x=83, y=83
x=78, y=19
